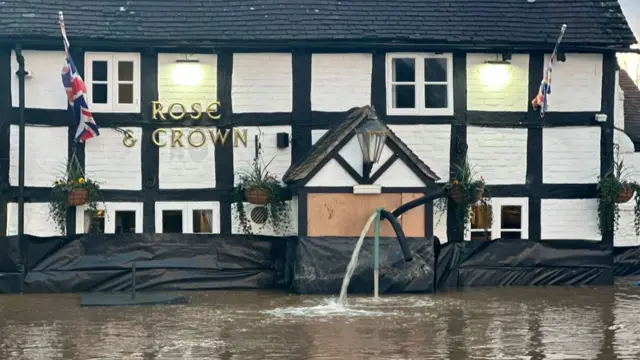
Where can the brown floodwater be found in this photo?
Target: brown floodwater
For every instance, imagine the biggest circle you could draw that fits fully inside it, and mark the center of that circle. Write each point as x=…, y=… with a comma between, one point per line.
x=495, y=323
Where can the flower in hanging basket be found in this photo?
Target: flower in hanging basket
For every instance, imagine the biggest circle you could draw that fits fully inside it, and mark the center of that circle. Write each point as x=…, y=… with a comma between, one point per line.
x=257, y=186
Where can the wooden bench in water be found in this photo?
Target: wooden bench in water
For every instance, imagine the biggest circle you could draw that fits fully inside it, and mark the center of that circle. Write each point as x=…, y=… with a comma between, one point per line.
x=132, y=299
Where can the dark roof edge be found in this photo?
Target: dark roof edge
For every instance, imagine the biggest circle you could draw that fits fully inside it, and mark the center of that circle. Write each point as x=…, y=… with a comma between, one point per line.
x=412, y=45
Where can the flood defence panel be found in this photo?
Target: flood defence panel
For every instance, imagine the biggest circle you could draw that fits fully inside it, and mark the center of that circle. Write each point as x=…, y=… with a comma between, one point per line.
x=319, y=265
x=508, y=262
x=626, y=261
x=89, y=263
x=11, y=265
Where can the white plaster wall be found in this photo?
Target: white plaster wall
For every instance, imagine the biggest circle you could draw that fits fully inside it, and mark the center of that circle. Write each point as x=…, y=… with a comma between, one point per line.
x=331, y=175
x=43, y=89
x=188, y=167
x=494, y=150
x=110, y=209
x=112, y=164
x=399, y=175
x=45, y=155
x=36, y=220
x=187, y=208
x=569, y=219
x=440, y=222
x=280, y=158
x=259, y=229
x=576, y=84
x=487, y=91
x=340, y=82
x=618, y=109
x=571, y=155
x=170, y=91
x=262, y=83
x=430, y=143
x=316, y=135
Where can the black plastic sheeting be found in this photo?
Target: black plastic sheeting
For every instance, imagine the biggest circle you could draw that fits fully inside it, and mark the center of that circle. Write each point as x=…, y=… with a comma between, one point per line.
x=626, y=261
x=11, y=265
x=319, y=265
x=163, y=262
x=312, y=265
x=508, y=262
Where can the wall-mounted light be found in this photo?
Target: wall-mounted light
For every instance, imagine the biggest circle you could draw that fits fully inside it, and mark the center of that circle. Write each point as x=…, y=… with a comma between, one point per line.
x=495, y=73
x=282, y=140
x=187, y=72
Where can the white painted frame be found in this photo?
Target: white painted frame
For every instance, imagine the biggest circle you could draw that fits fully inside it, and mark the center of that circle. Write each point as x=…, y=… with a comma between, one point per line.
x=110, y=209
x=112, y=59
x=187, y=209
x=496, y=209
x=419, y=83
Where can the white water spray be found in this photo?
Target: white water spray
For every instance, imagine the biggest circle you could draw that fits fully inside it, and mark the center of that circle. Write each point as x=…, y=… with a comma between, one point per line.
x=354, y=260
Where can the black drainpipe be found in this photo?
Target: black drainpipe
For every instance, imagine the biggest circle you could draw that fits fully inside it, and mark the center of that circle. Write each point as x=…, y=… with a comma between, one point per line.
x=21, y=150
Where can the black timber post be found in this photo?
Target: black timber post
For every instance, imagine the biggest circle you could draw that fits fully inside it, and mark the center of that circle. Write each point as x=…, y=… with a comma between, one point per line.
x=534, y=147
x=5, y=141
x=609, y=66
x=224, y=152
x=149, y=152
x=458, y=144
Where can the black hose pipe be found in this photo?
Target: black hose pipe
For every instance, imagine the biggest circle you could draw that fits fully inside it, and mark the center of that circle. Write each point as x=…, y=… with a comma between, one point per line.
x=392, y=217
x=402, y=239
x=419, y=201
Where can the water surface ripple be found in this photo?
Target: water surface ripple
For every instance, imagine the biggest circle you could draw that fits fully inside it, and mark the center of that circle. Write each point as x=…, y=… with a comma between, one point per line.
x=508, y=323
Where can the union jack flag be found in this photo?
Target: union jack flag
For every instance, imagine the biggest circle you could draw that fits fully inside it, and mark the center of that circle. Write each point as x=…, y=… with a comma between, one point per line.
x=542, y=99
x=86, y=127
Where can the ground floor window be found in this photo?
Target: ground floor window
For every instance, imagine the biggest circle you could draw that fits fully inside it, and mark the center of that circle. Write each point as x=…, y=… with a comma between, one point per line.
x=188, y=217
x=111, y=218
x=510, y=220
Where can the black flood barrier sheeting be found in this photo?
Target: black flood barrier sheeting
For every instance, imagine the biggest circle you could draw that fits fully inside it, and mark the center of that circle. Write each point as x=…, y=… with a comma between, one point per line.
x=102, y=263
x=626, y=261
x=11, y=265
x=508, y=262
x=319, y=265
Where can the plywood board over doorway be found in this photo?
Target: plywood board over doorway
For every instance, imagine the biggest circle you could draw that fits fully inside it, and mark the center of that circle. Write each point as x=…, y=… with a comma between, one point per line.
x=346, y=214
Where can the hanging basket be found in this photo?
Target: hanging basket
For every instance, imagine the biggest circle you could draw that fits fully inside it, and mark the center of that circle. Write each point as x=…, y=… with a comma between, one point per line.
x=257, y=196
x=78, y=197
x=625, y=194
x=456, y=194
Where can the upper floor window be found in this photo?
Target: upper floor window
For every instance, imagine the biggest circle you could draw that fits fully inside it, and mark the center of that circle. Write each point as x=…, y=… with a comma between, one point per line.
x=419, y=84
x=510, y=220
x=113, y=82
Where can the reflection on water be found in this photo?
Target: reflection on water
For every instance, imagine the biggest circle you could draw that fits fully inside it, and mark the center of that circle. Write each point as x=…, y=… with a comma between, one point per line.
x=530, y=323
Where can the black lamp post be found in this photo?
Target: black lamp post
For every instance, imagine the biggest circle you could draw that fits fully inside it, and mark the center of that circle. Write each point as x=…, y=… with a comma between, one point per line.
x=371, y=136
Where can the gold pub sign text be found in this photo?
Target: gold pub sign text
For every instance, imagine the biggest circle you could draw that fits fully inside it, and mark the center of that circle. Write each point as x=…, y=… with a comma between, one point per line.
x=196, y=137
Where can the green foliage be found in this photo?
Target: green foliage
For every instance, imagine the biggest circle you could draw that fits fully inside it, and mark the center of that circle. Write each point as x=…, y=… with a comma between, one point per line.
x=71, y=179
x=258, y=177
x=608, y=188
x=472, y=192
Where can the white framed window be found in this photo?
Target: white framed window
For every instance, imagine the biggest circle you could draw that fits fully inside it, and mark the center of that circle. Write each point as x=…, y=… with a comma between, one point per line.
x=419, y=84
x=201, y=217
x=111, y=218
x=510, y=220
x=113, y=81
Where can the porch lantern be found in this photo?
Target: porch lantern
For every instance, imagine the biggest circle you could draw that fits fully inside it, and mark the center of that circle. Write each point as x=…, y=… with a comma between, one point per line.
x=371, y=136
